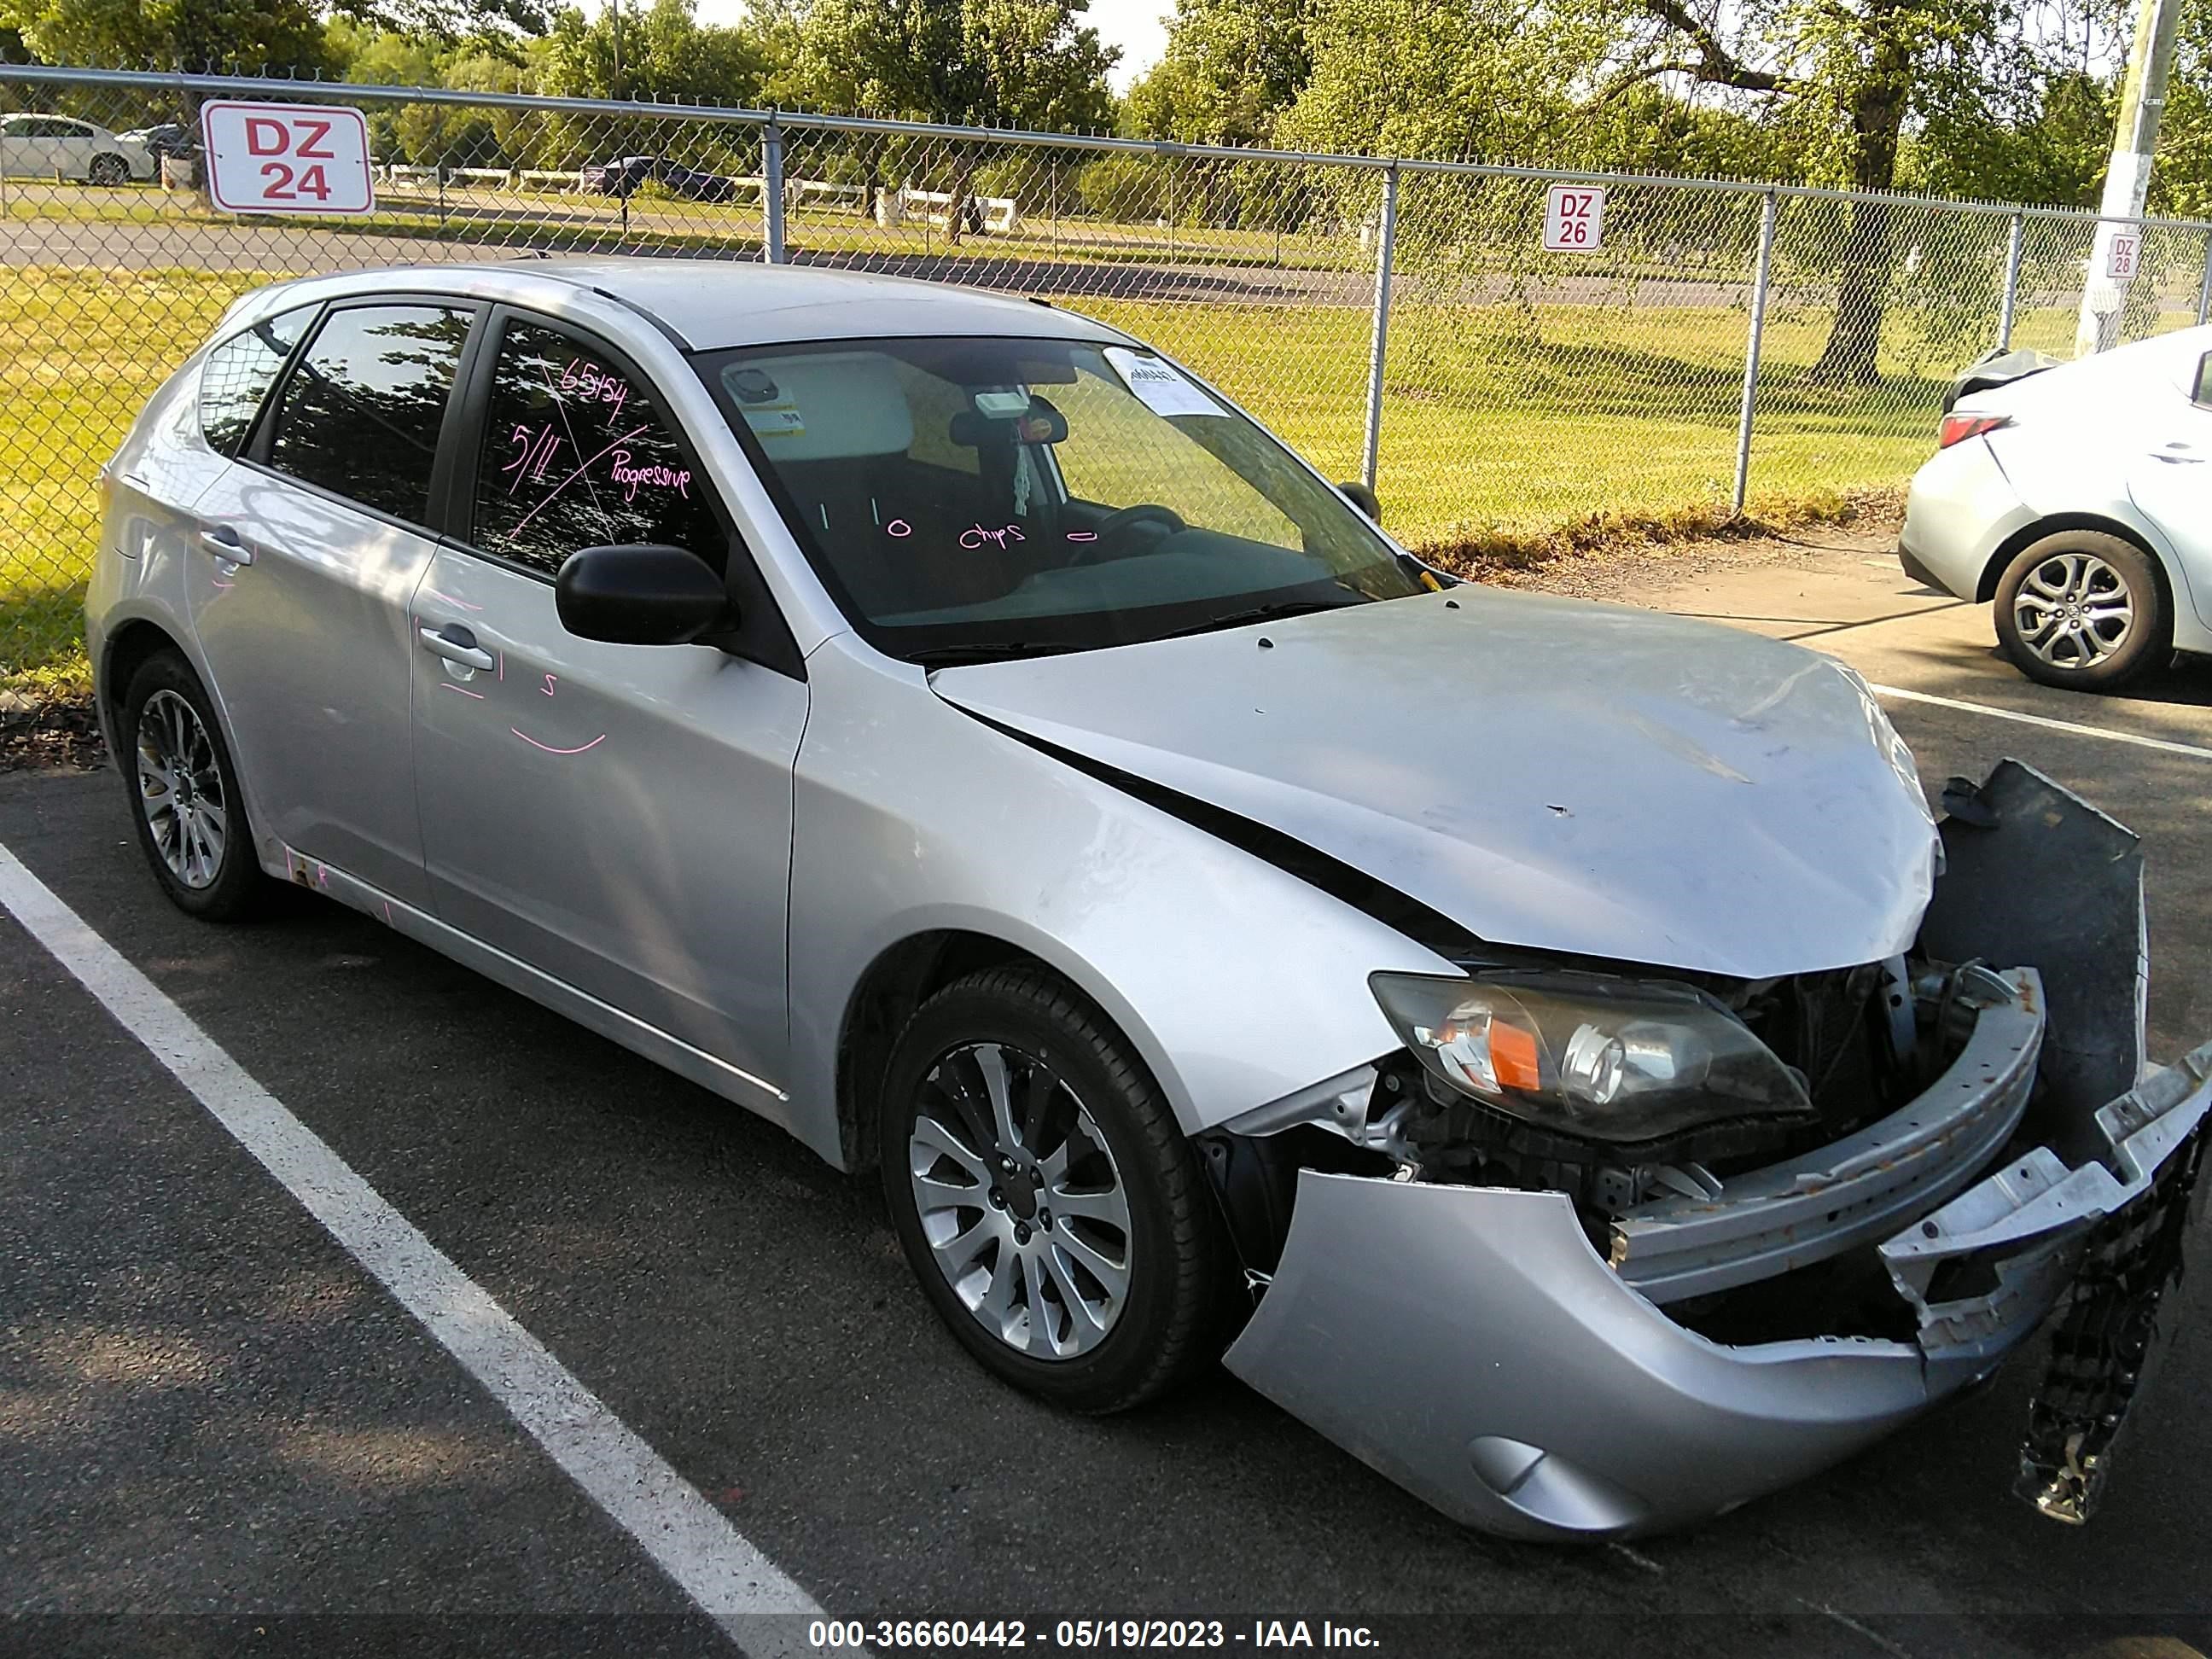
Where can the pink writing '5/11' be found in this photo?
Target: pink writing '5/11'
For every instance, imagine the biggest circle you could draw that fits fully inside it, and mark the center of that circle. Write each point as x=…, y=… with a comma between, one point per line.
x=533, y=453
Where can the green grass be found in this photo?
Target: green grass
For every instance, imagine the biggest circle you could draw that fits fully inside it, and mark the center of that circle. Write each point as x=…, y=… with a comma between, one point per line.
x=1496, y=420
x=86, y=349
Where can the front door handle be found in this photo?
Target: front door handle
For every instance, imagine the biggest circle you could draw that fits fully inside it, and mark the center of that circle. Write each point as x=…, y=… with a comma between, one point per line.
x=456, y=645
x=223, y=543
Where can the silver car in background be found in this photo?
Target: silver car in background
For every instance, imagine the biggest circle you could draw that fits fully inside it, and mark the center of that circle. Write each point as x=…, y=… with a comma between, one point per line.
x=2076, y=501
x=1533, y=1038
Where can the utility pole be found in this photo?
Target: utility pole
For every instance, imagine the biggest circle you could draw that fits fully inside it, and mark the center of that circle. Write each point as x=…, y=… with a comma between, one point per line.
x=617, y=91
x=2127, y=177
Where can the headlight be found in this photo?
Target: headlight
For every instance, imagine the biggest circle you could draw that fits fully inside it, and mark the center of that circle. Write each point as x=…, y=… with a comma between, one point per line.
x=1602, y=1060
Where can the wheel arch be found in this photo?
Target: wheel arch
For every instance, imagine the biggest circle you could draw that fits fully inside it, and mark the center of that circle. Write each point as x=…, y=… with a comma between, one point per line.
x=121, y=654
x=125, y=644
x=904, y=976
x=2027, y=535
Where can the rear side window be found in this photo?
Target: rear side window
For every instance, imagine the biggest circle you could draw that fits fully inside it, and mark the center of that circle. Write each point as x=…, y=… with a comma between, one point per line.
x=579, y=453
x=238, y=373
x=359, y=414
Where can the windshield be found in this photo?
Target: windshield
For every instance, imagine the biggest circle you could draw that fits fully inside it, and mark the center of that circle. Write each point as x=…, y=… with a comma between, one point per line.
x=968, y=498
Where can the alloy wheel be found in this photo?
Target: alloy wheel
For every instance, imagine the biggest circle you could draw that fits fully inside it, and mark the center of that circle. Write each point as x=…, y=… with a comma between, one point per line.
x=1024, y=1209
x=2072, y=611
x=180, y=790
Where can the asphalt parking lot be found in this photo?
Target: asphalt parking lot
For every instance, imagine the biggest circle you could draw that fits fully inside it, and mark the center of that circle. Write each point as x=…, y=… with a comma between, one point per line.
x=218, y=1429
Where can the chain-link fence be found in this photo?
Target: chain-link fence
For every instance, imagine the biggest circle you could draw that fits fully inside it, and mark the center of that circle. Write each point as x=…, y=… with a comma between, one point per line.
x=1396, y=320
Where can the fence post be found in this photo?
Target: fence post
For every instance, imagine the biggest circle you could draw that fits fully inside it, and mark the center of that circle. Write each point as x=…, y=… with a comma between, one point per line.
x=1751, y=347
x=1386, y=246
x=2011, y=285
x=773, y=250
x=2204, y=289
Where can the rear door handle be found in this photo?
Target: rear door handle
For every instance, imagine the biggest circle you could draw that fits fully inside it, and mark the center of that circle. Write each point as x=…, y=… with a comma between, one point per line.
x=224, y=544
x=456, y=645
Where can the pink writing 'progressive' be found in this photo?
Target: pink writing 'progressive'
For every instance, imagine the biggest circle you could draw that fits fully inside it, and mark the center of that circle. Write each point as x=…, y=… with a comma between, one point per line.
x=653, y=475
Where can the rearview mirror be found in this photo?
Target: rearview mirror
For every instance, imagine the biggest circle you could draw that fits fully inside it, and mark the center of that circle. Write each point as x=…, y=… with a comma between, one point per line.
x=1362, y=498
x=643, y=595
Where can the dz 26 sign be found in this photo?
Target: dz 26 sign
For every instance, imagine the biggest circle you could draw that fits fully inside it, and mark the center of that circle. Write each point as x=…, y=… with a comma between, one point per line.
x=287, y=158
x=1574, y=218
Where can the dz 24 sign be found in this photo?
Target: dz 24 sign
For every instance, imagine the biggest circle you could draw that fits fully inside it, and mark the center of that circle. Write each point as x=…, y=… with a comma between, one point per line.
x=1574, y=218
x=287, y=158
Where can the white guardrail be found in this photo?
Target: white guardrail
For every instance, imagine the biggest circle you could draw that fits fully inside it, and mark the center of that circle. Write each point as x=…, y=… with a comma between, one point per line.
x=890, y=207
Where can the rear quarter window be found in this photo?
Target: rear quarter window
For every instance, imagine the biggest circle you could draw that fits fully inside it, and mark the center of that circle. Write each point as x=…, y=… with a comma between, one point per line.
x=238, y=373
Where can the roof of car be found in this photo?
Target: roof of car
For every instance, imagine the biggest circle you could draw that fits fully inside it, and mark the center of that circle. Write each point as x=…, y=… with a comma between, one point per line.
x=710, y=303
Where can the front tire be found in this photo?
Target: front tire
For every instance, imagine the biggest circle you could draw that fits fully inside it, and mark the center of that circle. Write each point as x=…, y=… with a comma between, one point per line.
x=1052, y=1208
x=185, y=799
x=2083, y=609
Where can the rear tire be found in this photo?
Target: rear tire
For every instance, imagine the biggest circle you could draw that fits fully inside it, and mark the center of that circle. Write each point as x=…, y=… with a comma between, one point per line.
x=1006, y=1096
x=185, y=799
x=2083, y=609
x=108, y=171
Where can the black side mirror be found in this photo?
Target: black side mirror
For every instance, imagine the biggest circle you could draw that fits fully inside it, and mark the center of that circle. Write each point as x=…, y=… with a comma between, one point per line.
x=643, y=595
x=1362, y=498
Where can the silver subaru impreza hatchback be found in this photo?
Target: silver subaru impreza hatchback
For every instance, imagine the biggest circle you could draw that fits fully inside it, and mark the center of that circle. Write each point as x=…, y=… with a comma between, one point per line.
x=1553, y=1049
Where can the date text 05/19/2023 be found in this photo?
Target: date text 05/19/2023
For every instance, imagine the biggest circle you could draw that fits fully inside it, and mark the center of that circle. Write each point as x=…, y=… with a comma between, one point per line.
x=1085, y=1634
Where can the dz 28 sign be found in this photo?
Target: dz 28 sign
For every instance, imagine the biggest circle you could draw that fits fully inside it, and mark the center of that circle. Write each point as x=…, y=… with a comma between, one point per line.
x=287, y=158
x=1574, y=218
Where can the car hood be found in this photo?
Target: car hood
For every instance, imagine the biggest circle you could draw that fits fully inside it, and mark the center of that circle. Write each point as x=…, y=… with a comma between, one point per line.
x=1547, y=774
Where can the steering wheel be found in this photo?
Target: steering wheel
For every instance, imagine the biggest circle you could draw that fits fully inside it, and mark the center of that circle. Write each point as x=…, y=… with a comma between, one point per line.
x=1111, y=527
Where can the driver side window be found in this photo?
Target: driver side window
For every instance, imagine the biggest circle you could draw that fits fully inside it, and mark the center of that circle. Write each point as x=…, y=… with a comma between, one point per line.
x=1118, y=453
x=579, y=453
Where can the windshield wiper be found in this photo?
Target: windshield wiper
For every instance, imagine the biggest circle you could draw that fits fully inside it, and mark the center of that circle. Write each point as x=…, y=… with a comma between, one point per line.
x=1261, y=613
x=950, y=656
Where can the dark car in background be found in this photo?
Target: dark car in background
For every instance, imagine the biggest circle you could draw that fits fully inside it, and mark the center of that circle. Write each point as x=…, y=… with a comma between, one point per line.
x=164, y=140
x=622, y=177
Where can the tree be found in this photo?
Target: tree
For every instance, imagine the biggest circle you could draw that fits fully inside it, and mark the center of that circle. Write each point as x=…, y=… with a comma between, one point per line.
x=1230, y=69
x=1853, y=73
x=667, y=55
x=284, y=35
x=1486, y=80
x=966, y=63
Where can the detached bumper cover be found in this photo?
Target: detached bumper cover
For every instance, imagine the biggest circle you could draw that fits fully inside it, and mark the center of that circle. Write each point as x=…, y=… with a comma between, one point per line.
x=1469, y=1344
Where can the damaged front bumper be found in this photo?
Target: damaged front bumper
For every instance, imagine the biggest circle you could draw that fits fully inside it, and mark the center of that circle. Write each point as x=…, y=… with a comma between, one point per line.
x=1473, y=1345
x=1470, y=1344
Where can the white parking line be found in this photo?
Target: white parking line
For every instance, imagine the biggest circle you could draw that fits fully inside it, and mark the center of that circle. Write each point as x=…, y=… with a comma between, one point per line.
x=2165, y=746
x=686, y=1536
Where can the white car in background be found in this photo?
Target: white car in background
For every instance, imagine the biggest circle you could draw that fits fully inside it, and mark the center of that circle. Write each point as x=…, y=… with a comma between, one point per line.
x=2078, y=499
x=62, y=147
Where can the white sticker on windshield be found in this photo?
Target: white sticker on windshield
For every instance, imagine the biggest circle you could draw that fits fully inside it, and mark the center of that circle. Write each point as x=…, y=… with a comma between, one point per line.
x=768, y=408
x=1158, y=386
x=779, y=419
